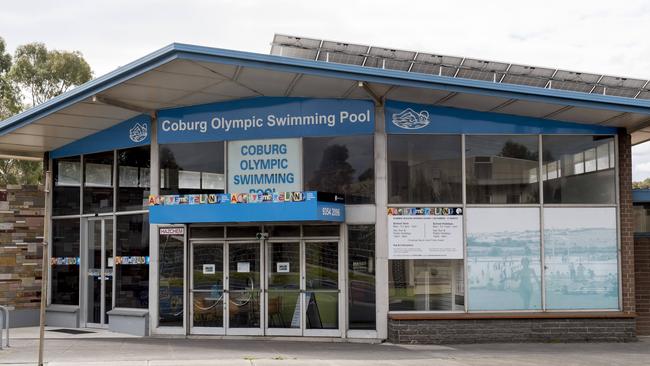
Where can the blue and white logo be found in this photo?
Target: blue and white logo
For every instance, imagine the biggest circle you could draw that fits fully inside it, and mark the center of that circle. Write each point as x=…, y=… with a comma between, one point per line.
x=138, y=132
x=410, y=119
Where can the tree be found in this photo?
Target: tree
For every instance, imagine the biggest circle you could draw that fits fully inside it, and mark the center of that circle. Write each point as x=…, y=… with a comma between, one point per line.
x=9, y=94
x=334, y=172
x=44, y=74
x=644, y=184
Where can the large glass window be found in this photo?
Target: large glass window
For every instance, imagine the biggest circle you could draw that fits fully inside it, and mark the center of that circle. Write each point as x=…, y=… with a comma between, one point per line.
x=171, y=280
x=641, y=219
x=424, y=169
x=579, y=169
x=133, y=178
x=426, y=285
x=98, y=182
x=132, y=261
x=192, y=168
x=342, y=164
x=503, y=259
x=361, y=276
x=67, y=183
x=502, y=169
x=65, y=261
x=581, y=258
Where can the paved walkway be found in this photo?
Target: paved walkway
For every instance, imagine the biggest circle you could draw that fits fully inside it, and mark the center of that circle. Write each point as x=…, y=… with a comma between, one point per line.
x=105, y=348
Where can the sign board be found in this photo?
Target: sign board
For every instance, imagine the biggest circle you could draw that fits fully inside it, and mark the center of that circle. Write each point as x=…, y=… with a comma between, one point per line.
x=266, y=117
x=425, y=233
x=243, y=267
x=172, y=231
x=264, y=166
x=208, y=269
x=282, y=267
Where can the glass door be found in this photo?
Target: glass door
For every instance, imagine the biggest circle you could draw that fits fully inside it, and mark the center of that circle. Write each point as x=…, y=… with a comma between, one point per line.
x=99, y=270
x=322, y=291
x=207, y=294
x=244, y=288
x=284, y=288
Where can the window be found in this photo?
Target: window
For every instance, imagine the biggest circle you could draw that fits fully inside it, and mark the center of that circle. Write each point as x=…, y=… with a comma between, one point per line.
x=132, y=268
x=343, y=164
x=424, y=169
x=426, y=285
x=581, y=258
x=641, y=219
x=503, y=259
x=133, y=178
x=171, y=279
x=361, y=277
x=502, y=169
x=65, y=261
x=98, y=182
x=588, y=169
x=67, y=182
x=192, y=168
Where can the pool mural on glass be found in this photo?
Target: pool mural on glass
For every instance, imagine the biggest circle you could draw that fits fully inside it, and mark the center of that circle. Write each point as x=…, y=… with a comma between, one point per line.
x=581, y=258
x=503, y=259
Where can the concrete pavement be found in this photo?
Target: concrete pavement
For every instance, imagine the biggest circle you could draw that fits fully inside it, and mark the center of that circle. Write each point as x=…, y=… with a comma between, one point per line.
x=103, y=348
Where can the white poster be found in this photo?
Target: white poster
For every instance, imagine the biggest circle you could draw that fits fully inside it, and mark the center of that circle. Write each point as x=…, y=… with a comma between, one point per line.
x=283, y=267
x=425, y=233
x=243, y=267
x=264, y=166
x=209, y=269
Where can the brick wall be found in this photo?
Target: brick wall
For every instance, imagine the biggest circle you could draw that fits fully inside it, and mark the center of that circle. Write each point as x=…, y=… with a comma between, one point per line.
x=21, y=229
x=511, y=330
x=642, y=282
x=627, y=221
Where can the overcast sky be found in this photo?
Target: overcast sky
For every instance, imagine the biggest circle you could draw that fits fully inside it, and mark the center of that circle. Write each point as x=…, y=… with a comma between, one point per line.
x=610, y=37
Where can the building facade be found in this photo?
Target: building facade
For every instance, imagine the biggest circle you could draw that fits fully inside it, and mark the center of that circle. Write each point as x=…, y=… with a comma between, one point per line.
x=210, y=192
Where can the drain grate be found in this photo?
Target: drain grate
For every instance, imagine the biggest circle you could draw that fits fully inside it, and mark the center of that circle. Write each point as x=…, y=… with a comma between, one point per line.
x=70, y=331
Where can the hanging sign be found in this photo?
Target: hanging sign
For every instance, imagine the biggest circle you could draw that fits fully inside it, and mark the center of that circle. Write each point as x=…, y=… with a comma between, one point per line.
x=425, y=233
x=264, y=166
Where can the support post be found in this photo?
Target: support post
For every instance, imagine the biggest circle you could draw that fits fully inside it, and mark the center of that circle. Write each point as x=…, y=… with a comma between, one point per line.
x=44, y=270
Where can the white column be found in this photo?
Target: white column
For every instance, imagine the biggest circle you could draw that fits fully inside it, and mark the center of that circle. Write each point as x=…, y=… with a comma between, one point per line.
x=154, y=184
x=381, y=229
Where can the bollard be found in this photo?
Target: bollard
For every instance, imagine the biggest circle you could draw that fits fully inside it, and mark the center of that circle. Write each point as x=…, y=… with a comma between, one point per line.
x=4, y=324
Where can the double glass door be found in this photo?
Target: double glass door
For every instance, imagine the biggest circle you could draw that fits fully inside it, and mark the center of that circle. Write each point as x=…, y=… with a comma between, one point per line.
x=265, y=287
x=99, y=270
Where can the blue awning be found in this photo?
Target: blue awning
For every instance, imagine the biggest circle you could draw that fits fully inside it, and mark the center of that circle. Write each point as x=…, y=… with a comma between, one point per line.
x=299, y=207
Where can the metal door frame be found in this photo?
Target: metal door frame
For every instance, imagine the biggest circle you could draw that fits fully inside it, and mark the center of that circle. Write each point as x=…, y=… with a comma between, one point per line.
x=262, y=285
x=301, y=286
x=207, y=330
x=86, y=260
x=338, y=332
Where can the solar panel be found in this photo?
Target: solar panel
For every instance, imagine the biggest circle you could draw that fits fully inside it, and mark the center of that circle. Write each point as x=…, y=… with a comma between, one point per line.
x=459, y=67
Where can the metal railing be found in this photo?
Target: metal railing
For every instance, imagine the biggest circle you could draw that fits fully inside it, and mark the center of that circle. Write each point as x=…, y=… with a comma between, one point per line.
x=5, y=324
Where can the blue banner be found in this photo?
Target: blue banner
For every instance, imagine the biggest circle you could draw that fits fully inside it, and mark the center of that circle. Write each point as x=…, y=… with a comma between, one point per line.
x=407, y=118
x=130, y=133
x=266, y=117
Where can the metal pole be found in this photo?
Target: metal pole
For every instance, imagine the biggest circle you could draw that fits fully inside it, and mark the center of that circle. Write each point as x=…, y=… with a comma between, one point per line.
x=44, y=271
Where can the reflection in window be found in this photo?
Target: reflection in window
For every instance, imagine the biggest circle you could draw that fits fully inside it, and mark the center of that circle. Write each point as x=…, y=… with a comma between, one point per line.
x=343, y=164
x=132, y=276
x=361, y=276
x=426, y=285
x=133, y=178
x=503, y=259
x=171, y=278
x=581, y=257
x=424, y=169
x=587, y=164
x=98, y=182
x=641, y=219
x=67, y=182
x=65, y=262
x=192, y=168
x=502, y=169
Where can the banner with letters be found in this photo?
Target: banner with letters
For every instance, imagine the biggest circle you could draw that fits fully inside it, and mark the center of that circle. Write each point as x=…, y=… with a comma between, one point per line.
x=266, y=117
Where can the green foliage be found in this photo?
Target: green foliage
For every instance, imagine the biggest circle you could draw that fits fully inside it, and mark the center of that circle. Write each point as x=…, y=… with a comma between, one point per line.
x=44, y=74
x=644, y=184
x=9, y=93
x=25, y=172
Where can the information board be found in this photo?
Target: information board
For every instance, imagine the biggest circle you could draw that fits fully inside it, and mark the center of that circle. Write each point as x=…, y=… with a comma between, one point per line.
x=425, y=233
